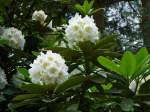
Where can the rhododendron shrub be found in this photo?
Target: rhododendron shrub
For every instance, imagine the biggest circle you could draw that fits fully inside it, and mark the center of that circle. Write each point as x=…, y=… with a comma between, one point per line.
x=56, y=59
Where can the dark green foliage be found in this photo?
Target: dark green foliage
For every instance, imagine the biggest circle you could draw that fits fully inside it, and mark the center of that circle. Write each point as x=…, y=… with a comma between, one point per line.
x=87, y=8
x=101, y=85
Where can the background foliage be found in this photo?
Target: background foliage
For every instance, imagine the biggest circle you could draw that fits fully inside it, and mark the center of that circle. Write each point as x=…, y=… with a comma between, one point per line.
x=105, y=69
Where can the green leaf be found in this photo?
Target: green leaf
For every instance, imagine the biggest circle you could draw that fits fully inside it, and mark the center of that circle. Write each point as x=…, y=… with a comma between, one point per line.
x=24, y=72
x=3, y=41
x=91, y=4
x=29, y=103
x=142, y=59
x=142, y=67
x=37, y=89
x=86, y=8
x=107, y=86
x=142, y=54
x=85, y=5
x=25, y=97
x=128, y=64
x=131, y=66
x=79, y=8
x=71, y=82
x=110, y=65
x=68, y=54
x=35, y=53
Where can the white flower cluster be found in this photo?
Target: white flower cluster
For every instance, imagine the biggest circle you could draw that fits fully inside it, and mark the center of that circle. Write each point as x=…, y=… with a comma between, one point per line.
x=3, y=80
x=49, y=68
x=81, y=29
x=15, y=38
x=39, y=16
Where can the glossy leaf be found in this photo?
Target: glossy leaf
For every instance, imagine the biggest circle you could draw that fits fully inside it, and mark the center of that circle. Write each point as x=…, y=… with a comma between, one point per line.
x=142, y=67
x=128, y=64
x=110, y=65
x=141, y=54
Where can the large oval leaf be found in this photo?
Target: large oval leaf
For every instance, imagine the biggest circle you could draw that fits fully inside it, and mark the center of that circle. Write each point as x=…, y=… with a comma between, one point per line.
x=109, y=64
x=128, y=65
x=142, y=54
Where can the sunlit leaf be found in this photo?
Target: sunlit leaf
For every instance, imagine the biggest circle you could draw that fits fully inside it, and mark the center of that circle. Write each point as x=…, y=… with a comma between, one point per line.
x=128, y=64
x=109, y=64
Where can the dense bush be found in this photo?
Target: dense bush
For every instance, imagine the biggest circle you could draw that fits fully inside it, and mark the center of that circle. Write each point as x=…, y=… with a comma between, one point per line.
x=53, y=58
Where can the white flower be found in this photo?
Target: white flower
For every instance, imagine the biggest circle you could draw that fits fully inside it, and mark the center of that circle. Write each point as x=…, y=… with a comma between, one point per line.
x=49, y=68
x=39, y=16
x=50, y=25
x=81, y=29
x=3, y=80
x=133, y=84
x=15, y=38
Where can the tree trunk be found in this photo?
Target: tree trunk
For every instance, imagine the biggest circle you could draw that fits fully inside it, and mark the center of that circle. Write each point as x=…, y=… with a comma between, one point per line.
x=99, y=16
x=146, y=23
